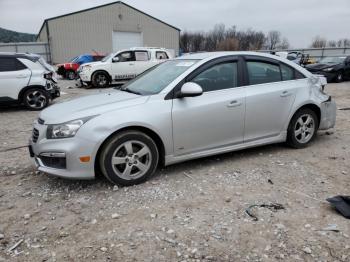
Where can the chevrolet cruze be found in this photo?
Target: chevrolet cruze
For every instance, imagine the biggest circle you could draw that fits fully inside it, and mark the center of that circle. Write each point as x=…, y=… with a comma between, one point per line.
x=190, y=107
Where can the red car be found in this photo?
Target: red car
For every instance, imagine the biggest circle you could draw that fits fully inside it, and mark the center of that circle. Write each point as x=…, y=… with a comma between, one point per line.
x=69, y=70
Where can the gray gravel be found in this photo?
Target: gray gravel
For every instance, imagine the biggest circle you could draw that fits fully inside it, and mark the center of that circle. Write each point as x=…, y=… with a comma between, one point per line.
x=194, y=211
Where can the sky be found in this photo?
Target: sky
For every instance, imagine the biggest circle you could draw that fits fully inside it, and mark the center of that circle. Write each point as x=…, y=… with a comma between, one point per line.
x=298, y=20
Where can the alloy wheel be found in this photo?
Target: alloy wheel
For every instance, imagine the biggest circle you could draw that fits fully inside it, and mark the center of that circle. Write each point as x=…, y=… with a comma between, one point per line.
x=131, y=160
x=101, y=79
x=304, y=128
x=36, y=99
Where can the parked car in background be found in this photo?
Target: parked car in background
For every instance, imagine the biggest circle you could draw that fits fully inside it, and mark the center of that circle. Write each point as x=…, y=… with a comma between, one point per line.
x=69, y=70
x=190, y=107
x=121, y=66
x=24, y=80
x=333, y=68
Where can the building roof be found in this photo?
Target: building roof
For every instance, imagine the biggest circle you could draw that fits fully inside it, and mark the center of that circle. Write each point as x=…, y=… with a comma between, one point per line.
x=96, y=7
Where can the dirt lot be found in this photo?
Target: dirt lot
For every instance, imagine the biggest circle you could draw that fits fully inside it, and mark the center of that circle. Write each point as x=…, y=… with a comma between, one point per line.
x=193, y=211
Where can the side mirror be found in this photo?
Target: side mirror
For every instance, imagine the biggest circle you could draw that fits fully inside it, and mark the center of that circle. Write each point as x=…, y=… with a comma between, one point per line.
x=190, y=89
x=115, y=59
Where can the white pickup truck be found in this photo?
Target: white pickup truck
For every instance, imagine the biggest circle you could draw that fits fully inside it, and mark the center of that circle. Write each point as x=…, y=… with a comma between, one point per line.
x=121, y=66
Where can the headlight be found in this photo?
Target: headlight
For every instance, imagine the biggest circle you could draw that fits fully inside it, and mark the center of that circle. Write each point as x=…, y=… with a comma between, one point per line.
x=328, y=69
x=84, y=68
x=66, y=130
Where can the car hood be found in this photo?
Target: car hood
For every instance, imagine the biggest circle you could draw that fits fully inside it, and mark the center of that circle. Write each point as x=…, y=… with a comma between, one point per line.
x=320, y=66
x=90, y=105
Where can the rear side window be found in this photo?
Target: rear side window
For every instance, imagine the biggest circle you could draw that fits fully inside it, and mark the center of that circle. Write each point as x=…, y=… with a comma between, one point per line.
x=8, y=64
x=287, y=72
x=141, y=56
x=161, y=55
x=261, y=72
x=217, y=77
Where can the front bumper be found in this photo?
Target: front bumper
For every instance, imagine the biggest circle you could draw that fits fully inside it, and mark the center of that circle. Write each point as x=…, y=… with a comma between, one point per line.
x=328, y=114
x=60, y=157
x=53, y=89
x=84, y=77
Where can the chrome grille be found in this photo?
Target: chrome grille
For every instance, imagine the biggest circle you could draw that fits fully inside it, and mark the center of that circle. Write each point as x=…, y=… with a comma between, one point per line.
x=35, y=135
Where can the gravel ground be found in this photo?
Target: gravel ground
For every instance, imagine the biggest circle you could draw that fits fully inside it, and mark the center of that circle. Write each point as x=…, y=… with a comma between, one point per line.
x=194, y=211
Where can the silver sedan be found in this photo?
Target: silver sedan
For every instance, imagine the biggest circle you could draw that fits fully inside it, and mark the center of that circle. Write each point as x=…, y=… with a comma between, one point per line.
x=194, y=106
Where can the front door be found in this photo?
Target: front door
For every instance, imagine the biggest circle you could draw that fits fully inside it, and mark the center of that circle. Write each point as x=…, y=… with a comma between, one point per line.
x=216, y=118
x=124, y=68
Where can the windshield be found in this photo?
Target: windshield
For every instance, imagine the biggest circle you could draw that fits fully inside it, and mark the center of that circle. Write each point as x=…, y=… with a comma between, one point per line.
x=106, y=57
x=332, y=60
x=158, y=77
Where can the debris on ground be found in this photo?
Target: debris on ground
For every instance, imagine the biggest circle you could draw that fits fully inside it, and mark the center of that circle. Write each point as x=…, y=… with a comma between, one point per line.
x=273, y=207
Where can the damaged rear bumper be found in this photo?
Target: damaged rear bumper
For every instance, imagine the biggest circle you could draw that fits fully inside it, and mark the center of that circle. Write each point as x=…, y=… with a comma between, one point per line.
x=328, y=114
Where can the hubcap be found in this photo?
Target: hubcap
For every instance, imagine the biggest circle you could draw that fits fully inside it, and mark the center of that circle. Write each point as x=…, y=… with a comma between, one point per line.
x=131, y=160
x=304, y=128
x=101, y=80
x=36, y=99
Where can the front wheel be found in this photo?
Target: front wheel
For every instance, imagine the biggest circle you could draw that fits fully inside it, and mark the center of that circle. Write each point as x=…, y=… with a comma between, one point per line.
x=129, y=158
x=36, y=99
x=70, y=75
x=302, y=128
x=100, y=80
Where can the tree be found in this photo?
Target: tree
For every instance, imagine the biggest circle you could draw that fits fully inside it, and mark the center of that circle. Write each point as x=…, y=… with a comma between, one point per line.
x=319, y=42
x=229, y=44
x=332, y=43
x=273, y=39
x=284, y=44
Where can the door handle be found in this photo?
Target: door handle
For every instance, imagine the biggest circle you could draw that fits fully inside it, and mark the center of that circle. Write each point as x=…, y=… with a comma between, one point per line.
x=285, y=94
x=234, y=103
x=131, y=63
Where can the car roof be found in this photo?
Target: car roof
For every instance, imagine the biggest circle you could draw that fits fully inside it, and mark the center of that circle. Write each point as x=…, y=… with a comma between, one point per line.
x=211, y=55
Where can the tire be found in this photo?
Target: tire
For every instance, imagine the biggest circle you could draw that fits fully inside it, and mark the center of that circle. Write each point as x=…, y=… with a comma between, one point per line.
x=302, y=128
x=36, y=99
x=100, y=80
x=339, y=78
x=71, y=75
x=121, y=161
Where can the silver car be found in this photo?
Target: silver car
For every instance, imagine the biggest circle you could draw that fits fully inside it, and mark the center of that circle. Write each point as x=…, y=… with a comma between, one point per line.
x=199, y=105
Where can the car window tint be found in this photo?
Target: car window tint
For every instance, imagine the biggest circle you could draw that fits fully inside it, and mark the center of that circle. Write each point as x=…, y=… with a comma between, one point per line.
x=126, y=57
x=287, y=72
x=261, y=72
x=141, y=56
x=299, y=75
x=10, y=64
x=221, y=76
x=161, y=55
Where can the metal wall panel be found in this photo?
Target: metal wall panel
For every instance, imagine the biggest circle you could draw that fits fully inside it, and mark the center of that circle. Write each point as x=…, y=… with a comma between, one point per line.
x=90, y=30
x=27, y=47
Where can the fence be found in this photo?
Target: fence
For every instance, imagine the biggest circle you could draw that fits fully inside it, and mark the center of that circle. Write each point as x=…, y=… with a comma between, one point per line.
x=319, y=53
x=39, y=48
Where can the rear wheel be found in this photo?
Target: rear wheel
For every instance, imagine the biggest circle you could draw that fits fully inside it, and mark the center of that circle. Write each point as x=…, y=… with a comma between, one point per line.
x=70, y=74
x=302, y=128
x=36, y=99
x=100, y=80
x=129, y=158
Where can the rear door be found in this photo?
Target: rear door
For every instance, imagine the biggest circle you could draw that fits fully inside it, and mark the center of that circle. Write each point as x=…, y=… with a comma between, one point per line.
x=142, y=61
x=124, y=69
x=14, y=75
x=216, y=118
x=270, y=94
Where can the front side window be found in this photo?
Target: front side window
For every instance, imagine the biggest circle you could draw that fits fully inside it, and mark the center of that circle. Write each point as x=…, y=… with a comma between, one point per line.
x=126, y=57
x=217, y=77
x=141, y=56
x=8, y=64
x=262, y=72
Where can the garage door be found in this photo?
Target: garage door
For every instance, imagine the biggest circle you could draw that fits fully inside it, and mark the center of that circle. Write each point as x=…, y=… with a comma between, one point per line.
x=124, y=40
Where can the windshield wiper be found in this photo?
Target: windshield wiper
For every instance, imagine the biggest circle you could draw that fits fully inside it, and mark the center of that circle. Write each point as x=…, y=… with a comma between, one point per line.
x=130, y=91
